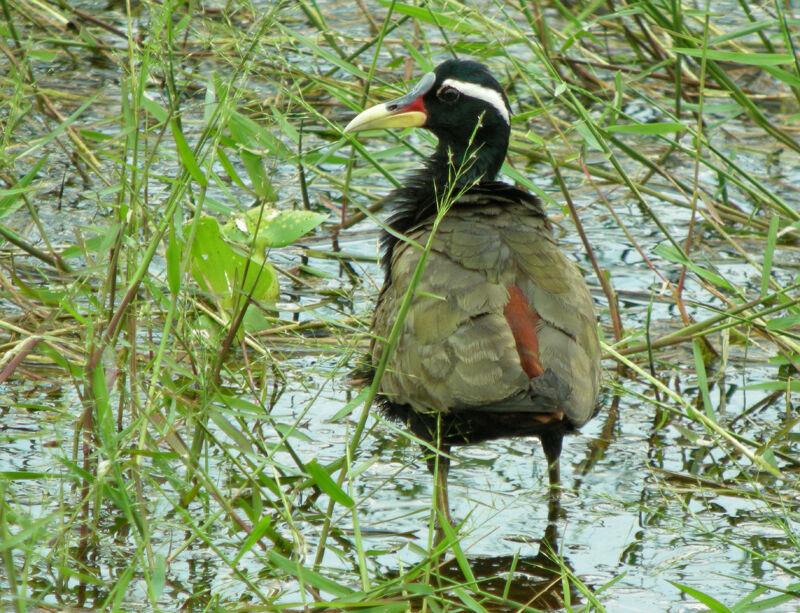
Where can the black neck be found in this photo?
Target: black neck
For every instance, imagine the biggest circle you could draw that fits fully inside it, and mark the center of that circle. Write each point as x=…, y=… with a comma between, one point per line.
x=453, y=168
x=445, y=175
x=468, y=159
x=462, y=167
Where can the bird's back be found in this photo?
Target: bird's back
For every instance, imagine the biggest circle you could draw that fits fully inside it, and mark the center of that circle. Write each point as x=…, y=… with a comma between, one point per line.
x=497, y=306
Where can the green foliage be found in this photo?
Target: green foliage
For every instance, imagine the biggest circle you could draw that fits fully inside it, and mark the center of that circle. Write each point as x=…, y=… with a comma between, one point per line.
x=159, y=168
x=271, y=228
x=229, y=275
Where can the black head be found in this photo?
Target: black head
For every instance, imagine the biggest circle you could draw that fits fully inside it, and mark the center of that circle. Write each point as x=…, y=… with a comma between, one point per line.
x=464, y=106
x=468, y=109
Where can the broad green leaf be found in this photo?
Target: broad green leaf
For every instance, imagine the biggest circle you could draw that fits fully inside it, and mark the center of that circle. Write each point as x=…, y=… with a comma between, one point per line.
x=769, y=249
x=421, y=61
x=351, y=406
x=59, y=358
x=42, y=294
x=256, y=320
x=711, y=602
x=262, y=186
x=750, y=28
x=239, y=404
x=222, y=271
x=99, y=244
x=104, y=417
x=588, y=136
x=155, y=109
x=30, y=531
x=254, y=143
x=42, y=54
x=272, y=228
x=437, y=17
x=286, y=431
x=173, y=256
x=212, y=258
x=228, y=166
x=258, y=531
x=782, y=323
x=254, y=136
x=749, y=604
x=702, y=379
x=285, y=227
x=158, y=577
x=306, y=575
x=235, y=434
x=776, y=386
x=783, y=75
x=185, y=153
x=328, y=485
x=769, y=458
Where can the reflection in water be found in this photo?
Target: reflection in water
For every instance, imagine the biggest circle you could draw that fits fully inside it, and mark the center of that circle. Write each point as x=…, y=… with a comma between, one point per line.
x=510, y=581
x=535, y=581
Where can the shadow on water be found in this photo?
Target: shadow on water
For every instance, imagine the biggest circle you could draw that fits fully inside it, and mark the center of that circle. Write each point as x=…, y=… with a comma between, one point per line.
x=534, y=581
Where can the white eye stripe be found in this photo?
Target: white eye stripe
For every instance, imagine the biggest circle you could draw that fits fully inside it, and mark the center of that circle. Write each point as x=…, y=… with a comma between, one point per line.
x=480, y=92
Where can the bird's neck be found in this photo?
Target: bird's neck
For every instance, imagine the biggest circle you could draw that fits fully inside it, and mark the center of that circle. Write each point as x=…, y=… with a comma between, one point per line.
x=455, y=167
x=450, y=171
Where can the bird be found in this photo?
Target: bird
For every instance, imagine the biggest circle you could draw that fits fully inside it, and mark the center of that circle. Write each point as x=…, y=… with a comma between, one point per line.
x=499, y=336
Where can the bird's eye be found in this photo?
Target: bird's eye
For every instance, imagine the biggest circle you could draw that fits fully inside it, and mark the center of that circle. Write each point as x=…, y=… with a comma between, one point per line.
x=448, y=94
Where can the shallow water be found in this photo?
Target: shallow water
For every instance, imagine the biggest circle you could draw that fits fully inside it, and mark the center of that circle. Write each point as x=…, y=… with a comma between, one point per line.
x=633, y=512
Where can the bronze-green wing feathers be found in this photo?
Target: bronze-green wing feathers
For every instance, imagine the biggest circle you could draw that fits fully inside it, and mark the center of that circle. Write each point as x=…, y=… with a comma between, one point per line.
x=457, y=349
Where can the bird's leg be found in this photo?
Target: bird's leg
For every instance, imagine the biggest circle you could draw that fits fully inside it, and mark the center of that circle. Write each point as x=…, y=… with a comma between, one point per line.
x=551, y=444
x=548, y=547
x=439, y=466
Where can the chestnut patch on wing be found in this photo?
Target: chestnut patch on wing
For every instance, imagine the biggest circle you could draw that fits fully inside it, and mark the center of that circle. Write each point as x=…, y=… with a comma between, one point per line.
x=522, y=318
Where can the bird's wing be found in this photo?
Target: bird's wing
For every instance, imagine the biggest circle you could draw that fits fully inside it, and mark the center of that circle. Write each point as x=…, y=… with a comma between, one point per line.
x=470, y=325
x=567, y=328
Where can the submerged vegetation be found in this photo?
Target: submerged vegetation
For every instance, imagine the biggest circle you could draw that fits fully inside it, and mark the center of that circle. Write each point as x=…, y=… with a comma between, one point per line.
x=188, y=268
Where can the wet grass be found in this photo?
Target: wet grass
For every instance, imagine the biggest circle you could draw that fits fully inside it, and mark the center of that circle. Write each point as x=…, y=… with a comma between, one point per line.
x=171, y=439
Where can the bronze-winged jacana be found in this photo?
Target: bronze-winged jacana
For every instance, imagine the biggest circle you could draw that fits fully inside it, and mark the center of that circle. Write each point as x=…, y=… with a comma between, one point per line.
x=500, y=338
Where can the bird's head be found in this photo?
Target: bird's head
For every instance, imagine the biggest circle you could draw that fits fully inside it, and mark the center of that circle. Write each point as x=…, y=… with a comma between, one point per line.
x=463, y=105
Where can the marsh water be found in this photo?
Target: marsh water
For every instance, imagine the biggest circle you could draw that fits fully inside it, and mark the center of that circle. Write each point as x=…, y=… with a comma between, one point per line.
x=649, y=499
